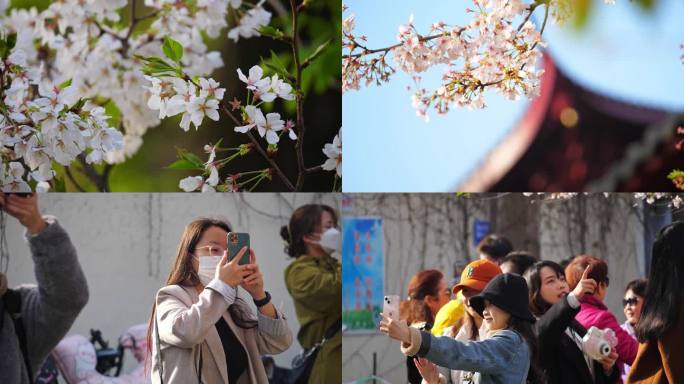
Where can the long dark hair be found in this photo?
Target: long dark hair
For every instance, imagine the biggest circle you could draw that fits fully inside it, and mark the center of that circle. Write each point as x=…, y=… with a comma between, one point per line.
x=305, y=220
x=637, y=286
x=665, y=291
x=535, y=375
x=520, y=261
x=467, y=321
x=538, y=305
x=423, y=283
x=495, y=246
x=183, y=274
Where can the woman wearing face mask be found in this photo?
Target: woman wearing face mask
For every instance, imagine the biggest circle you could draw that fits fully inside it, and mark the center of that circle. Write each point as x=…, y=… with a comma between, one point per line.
x=427, y=293
x=314, y=280
x=507, y=355
x=559, y=334
x=471, y=327
x=200, y=330
x=632, y=303
x=593, y=312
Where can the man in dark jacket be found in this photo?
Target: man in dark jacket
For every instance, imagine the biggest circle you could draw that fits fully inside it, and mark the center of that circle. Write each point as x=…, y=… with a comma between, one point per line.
x=45, y=312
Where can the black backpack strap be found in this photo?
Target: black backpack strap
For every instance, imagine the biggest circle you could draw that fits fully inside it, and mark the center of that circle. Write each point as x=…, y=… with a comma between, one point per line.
x=330, y=332
x=12, y=301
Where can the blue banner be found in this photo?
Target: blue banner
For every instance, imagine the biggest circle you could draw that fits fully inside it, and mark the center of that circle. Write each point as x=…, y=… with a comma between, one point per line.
x=362, y=272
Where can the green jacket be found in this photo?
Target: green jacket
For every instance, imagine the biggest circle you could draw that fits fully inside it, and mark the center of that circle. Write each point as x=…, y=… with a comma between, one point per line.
x=315, y=285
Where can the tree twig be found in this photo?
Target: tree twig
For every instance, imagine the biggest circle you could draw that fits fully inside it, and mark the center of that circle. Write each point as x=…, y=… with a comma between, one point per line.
x=263, y=153
x=73, y=180
x=299, y=147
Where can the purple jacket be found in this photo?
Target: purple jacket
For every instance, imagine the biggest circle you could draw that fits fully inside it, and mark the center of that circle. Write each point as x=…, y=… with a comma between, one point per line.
x=594, y=313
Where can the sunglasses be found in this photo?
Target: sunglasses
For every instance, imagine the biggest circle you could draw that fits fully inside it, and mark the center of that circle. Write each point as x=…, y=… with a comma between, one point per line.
x=630, y=301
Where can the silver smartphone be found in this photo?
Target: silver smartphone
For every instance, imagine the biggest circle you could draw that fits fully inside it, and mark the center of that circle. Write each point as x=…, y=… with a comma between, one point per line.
x=390, y=307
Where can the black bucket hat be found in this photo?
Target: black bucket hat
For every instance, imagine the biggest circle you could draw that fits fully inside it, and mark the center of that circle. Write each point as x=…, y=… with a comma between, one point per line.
x=508, y=292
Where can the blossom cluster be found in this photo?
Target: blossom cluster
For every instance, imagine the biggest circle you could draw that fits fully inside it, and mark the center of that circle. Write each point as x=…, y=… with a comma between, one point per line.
x=496, y=50
x=88, y=42
x=173, y=95
x=490, y=51
x=334, y=152
x=42, y=123
x=265, y=89
x=195, y=99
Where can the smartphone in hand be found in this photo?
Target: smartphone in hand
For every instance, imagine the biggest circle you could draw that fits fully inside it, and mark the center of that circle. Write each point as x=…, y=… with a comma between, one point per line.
x=236, y=241
x=390, y=307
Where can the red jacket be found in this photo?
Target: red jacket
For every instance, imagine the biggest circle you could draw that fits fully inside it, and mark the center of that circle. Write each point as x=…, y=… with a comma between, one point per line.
x=594, y=313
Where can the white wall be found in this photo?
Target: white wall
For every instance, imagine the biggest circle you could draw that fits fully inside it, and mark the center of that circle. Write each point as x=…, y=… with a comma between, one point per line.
x=126, y=244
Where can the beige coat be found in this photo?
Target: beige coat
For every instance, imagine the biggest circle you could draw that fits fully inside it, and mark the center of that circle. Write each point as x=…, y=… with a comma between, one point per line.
x=187, y=323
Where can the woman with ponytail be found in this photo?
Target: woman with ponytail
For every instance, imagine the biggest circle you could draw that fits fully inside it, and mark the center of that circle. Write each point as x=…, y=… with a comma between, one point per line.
x=200, y=329
x=314, y=280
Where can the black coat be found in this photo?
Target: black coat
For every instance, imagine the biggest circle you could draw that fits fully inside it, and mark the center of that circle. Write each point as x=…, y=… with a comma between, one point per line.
x=560, y=357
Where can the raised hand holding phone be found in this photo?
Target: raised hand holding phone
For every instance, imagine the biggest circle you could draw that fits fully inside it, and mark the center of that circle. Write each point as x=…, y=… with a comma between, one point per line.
x=254, y=281
x=25, y=209
x=396, y=329
x=230, y=272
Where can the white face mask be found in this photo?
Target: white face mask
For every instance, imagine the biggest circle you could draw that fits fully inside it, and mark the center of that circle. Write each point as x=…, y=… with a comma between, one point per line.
x=207, y=268
x=330, y=241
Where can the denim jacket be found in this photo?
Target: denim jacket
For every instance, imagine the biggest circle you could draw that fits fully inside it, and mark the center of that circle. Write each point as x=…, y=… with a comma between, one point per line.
x=504, y=357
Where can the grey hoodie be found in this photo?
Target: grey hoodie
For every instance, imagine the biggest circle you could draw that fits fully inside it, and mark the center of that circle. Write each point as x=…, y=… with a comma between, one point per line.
x=48, y=310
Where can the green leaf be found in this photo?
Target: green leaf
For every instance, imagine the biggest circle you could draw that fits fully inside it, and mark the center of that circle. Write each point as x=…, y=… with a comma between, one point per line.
x=65, y=84
x=184, y=164
x=155, y=66
x=11, y=41
x=112, y=110
x=276, y=65
x=187, y=160
x=272, y=32
x=319, y=50
x=172, y=49
x=7, y=44
x=675, y=174
x=59, y=184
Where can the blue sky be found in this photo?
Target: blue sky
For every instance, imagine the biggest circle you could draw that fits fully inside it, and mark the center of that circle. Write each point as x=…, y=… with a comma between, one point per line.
x=622, y=53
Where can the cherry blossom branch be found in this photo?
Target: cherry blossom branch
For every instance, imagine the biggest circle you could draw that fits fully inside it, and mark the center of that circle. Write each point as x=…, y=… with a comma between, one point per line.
x=386, y=50
x=134, y=22
x=253, y=139
x=261, y=151
x=492, y=51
